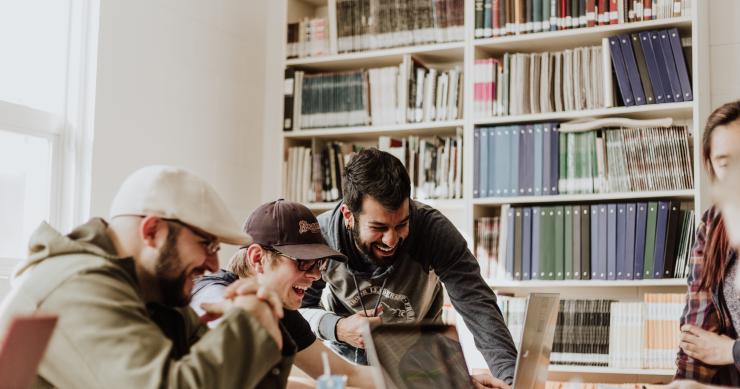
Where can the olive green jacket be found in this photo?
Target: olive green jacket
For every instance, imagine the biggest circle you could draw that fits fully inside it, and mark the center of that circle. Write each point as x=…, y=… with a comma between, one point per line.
x=106, y=335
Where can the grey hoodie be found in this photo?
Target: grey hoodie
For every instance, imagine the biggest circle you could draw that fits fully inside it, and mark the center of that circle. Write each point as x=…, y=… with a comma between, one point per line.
x=411, y=289
x=107, y=336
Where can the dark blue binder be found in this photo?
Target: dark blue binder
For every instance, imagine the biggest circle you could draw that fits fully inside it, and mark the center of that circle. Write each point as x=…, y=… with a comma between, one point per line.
x=656, y=80
x=536, y=244
x=538, y=157
x=482, y=163
x=546, y=159
x=629, y=239
x=621, y=242
x=526, y=243
x=620, y=71
x=670, y=62
x=633, y=73
x=611, y=242
x=525, y=154
x=660, y=239
x=514, y=158
x=669, y=80
x=673, y=228
x=502, y=162
x=640, y=230
x=495, y=170
x=603, y=242
x=510, y=225
x=594, y=265
x=683, y=73
x=476, y=163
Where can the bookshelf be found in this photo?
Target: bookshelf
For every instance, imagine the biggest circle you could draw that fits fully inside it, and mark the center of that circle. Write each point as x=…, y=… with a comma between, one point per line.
x=463, y=212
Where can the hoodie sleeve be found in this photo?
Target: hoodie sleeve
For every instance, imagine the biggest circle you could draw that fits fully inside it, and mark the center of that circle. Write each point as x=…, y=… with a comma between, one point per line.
x=106, y=338
x=470, y=295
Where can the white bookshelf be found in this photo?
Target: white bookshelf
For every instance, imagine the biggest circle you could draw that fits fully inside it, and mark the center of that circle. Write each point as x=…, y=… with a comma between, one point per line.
x=463, y=212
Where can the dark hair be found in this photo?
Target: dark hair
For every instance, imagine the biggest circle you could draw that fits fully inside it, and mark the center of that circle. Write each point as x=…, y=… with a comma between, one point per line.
x=717, y=247
x=377, y=174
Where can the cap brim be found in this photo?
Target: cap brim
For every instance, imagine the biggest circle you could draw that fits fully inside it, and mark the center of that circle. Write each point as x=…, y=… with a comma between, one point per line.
x=310, y=251
x=237, y=238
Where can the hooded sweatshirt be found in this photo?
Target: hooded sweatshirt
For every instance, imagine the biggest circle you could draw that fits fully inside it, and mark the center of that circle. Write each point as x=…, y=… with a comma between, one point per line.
x=107, y=336
x=409, y=289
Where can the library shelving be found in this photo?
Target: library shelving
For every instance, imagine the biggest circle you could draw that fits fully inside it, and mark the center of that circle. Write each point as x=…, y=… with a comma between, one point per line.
x=465, y=211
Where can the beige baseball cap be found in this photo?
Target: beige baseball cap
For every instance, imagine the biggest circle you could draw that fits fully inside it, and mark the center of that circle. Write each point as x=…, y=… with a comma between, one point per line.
x=174, y=193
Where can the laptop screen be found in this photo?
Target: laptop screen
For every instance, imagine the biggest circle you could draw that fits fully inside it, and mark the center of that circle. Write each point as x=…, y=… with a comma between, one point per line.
x=419, y=356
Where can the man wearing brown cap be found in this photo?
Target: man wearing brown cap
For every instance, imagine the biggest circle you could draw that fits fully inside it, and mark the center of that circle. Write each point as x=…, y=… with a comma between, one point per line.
x=121, y=288
x=287, y=255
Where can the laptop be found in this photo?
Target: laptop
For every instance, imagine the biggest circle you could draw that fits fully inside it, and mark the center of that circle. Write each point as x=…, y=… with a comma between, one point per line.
x=417, y=355
x=22, y=347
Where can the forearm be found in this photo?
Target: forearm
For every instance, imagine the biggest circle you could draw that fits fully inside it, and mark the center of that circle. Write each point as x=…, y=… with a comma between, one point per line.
x=323, y=323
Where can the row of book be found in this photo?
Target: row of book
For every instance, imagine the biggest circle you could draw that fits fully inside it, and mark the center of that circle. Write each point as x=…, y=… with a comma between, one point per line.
x=640, y=335
x=316, y=175
x=527, y=83
x=513, y=17
x=376, y=24
x=408, y=93
x=538, y=159
x=616, y=241
x=650, y=67
x=308, y=38
x=434, y=166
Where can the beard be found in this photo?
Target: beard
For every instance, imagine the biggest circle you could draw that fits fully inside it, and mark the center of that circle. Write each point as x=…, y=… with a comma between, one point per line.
x=367, y=247
x=171, y=288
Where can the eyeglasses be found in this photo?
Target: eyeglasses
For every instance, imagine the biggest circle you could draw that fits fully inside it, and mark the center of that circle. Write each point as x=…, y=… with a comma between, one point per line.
x=210, y=243
x=305, y=265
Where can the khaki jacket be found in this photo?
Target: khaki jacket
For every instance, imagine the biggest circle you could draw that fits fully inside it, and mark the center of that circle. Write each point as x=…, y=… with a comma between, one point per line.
x=105, y=336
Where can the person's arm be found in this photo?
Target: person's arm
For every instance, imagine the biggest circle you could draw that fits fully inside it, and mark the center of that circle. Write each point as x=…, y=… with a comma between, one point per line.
x=471, y=297
x=309, y=360
x=323, y=323
x=699, y=310
x=104, y=338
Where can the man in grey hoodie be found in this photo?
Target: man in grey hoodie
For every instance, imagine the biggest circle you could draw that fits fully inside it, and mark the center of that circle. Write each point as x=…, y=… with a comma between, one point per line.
x=400, y=252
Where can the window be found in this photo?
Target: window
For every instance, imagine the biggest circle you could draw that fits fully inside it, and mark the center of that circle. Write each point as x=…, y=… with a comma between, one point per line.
x=46, y=103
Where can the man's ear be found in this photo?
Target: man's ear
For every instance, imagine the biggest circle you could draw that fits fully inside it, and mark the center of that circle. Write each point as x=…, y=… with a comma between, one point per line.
x=348, y=217
x=255, y=256
x=153, y=231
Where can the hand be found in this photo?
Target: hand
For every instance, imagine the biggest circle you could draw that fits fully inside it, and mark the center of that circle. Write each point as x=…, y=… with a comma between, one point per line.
x=707, y=346
x=486, y=380
x=250, y=286
x=349, y=329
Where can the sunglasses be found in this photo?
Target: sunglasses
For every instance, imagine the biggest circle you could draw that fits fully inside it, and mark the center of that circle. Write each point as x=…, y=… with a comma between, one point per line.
x=305, y=265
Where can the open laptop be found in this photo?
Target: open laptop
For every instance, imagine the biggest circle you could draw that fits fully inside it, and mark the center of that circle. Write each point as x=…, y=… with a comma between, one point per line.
x=409, y=356
x=22, y=347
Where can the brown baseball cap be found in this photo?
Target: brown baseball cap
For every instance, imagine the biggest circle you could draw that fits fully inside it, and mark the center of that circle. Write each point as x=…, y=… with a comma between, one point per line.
x=291, y=229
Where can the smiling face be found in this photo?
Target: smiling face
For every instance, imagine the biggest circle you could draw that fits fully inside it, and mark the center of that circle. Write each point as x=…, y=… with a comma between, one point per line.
x=379, y=232
x=282, y=275
x=183, y=257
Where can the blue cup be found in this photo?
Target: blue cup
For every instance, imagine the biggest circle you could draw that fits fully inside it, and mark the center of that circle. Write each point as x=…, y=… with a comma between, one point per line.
x=331, y=382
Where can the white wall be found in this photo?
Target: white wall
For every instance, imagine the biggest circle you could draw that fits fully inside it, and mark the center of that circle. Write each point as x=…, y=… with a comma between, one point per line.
x=181, y=83
x=724, y=49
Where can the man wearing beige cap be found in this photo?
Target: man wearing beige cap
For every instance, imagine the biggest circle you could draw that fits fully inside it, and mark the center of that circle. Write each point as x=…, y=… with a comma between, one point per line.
x=121, y=290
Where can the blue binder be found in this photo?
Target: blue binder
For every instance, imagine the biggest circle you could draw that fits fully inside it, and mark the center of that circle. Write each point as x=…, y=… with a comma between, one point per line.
x=633, y=73
x=683, y=73
x=656, y=79
x=620, y=70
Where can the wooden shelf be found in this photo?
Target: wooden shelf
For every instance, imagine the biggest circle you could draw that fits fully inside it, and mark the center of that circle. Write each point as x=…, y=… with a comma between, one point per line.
x=677, y=111
x=435, y=203
x=496, y=284
x=588, y=197
x=564, y=39
x=610, y=370
x=432, y=53
x=372, y=132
